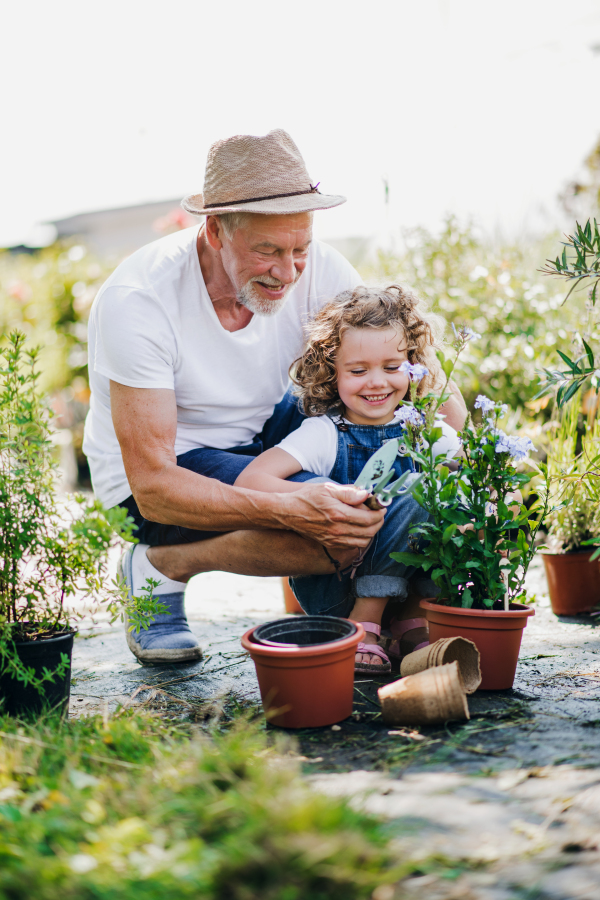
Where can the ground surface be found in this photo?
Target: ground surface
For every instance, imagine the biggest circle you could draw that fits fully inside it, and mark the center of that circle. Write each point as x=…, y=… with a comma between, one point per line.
x=506, y=805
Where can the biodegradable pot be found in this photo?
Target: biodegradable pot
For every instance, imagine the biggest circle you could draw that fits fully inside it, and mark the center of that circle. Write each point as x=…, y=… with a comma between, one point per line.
x=19, y=699
x=573, y=581
x=443, y=652
x=289, y=598
x=305, y=684
x=496, y=634
x=429, y=697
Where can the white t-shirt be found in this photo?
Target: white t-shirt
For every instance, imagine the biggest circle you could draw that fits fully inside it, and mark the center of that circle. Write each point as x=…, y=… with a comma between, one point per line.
x=153, y=325
x=314, y=444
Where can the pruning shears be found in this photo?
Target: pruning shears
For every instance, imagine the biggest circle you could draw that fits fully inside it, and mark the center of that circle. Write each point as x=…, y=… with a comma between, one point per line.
x=377, y=474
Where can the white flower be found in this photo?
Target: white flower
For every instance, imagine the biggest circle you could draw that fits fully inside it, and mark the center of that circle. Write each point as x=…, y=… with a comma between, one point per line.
x=408, y=415
x=484, y=404
x=415, y=372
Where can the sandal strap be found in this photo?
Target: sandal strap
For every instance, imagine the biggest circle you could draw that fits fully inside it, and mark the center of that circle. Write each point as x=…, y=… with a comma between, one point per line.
x=371, y=627
x=399, y=627
x=375, y=649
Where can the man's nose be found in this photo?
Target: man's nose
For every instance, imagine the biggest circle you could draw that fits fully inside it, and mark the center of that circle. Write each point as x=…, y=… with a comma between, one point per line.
x=284, y=269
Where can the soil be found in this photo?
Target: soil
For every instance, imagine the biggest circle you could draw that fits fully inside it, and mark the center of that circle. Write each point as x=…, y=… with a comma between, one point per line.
x=505, y=805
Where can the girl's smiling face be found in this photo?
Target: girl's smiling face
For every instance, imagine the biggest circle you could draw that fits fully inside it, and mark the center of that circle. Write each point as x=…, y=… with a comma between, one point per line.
x=369, y=383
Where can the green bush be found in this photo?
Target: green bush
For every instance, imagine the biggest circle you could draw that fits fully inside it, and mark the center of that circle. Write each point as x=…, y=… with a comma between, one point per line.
x=129, y=807
x=47, y=295
x=500, y=293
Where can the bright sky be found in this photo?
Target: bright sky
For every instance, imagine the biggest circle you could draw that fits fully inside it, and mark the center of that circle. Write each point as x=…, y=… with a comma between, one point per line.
x=474, y=107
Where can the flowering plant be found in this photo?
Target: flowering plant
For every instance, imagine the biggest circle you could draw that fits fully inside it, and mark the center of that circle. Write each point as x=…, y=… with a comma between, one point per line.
x=479, y=539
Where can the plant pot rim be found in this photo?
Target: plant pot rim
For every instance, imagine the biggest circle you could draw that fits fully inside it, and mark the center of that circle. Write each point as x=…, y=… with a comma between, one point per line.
x=516, y=610
x=44, y=641
x=581, y=552
x=316, y=650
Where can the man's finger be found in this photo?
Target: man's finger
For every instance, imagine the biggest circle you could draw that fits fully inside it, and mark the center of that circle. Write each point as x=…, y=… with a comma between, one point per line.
x=346, y=493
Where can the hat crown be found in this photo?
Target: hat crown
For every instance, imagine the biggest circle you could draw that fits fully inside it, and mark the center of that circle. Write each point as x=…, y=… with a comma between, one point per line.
x=248, y=166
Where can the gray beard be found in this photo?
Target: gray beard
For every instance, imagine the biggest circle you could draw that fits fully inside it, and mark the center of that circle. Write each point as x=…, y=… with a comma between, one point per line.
x=249, y=297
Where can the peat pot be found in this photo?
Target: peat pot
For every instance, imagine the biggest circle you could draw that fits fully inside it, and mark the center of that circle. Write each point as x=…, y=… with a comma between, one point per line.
x=496, y=634
x=305, y=669
x=573, y=581
x=289, y=598
x=19, y=699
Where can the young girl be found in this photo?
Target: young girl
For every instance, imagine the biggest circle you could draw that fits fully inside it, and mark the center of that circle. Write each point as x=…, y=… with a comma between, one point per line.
x=350, y=380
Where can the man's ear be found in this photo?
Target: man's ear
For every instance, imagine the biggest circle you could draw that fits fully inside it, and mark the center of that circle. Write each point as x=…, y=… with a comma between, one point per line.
x=214, y=232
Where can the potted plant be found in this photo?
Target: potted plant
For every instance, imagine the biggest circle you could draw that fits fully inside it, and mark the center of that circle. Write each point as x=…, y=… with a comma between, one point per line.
x=479, y=540
x=573, y=524
x=53, y=551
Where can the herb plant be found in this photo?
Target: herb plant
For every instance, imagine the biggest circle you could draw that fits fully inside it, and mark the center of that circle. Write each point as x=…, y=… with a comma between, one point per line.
x=53, y=554
x=479, y=540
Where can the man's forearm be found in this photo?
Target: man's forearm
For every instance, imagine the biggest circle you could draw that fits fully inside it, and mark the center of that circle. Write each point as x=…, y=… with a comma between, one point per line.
x=181, y=497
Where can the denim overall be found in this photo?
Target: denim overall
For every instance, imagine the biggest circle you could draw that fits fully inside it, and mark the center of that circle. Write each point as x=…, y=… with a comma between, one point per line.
x=378, y=575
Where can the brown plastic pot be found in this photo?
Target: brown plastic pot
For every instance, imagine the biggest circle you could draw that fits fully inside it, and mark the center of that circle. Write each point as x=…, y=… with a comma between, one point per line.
x=573, y=581
x=305, y=687
x=289, y=598
x=496, y=634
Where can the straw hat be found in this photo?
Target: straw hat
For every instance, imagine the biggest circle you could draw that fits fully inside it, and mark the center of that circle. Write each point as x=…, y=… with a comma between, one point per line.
x=257, y=174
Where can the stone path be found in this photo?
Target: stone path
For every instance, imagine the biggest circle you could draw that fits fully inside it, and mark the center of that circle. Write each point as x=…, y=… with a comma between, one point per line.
x=506, y=805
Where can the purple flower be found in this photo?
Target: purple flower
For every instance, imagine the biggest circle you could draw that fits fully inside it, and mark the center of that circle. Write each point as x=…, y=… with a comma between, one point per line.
x=484, y=404
x=464, y=332
x=518, y=448
x=408, y=415
x=415, y=372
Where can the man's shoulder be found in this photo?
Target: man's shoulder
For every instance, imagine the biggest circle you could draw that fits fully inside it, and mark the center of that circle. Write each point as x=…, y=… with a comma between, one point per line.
x=329, y=263
x=160, y=259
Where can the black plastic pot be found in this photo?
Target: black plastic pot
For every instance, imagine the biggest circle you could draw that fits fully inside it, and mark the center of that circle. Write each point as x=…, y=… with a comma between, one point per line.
x=304, y=632
x=19, y=699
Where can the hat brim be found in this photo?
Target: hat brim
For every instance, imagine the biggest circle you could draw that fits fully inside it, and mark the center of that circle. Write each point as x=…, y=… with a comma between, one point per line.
x=281, y=206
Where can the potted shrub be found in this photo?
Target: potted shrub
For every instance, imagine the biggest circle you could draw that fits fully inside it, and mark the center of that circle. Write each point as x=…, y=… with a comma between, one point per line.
x=53, y=551
x=479, y=540
x=574, y=522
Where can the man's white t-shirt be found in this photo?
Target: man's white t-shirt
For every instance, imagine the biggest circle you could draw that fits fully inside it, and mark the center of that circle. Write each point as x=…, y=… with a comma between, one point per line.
x=314, y=445
x=153, y=325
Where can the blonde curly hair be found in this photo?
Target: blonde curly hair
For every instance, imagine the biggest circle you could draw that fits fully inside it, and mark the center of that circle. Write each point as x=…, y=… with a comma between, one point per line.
x=315, y=375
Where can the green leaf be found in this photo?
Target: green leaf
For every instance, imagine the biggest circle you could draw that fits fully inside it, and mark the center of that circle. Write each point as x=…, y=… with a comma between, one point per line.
x=590, y=353
x=467, y=598
x=448, y=533
x=410, y=559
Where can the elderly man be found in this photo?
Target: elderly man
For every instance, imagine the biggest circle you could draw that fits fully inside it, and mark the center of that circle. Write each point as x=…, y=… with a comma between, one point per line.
x=190, y=342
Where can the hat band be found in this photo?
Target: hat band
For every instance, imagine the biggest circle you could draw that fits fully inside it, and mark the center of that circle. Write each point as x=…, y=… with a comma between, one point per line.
x=312, y=190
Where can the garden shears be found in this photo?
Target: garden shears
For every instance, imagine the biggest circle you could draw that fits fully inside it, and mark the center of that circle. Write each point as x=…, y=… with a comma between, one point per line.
x=378, y=472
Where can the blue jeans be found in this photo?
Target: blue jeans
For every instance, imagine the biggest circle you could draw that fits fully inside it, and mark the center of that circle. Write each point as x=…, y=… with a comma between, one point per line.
x=225, y=466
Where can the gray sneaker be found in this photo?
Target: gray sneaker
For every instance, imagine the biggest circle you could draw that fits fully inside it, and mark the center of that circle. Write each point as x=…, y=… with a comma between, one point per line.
x=169, y=638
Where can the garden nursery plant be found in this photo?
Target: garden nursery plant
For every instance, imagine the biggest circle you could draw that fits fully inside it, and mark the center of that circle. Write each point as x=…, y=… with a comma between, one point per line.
x=479, y=539
x=53, y=552
x=573, y=523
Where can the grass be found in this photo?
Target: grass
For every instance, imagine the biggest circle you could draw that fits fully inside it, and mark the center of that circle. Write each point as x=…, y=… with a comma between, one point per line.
x=135, y=806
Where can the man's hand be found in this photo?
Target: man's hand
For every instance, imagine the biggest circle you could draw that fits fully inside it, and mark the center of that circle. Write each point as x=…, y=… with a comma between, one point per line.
x=331, y=514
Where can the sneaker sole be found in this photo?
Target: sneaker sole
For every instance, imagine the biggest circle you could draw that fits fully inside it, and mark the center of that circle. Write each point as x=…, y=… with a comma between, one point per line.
x=185, y=654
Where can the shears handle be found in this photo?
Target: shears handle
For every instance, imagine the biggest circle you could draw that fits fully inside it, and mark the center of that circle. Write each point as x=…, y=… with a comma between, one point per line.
x=374, y=503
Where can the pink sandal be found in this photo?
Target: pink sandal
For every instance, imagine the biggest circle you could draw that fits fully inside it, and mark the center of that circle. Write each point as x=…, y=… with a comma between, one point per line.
x=376, y=650
x=400, y=627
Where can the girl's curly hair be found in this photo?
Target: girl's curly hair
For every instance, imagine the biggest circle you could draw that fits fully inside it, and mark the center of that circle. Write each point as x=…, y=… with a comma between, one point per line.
x=396, y=306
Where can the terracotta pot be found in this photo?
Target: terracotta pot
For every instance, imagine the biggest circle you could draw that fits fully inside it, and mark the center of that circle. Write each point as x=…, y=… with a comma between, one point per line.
x=496, y=634
x=305, y=686
x=573, y=581
x=289, y=598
